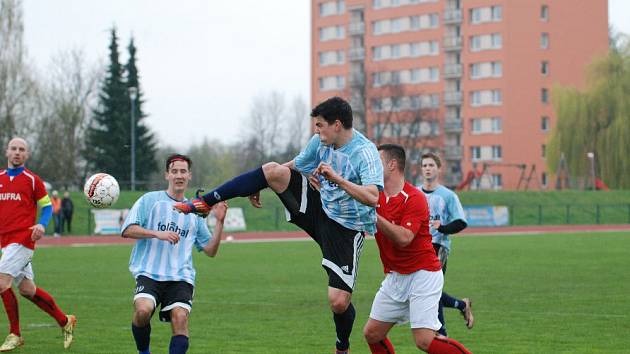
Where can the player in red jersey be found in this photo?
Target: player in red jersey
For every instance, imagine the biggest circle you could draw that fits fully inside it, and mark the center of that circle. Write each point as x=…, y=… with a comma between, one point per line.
x=413, y=282
x=21, y=191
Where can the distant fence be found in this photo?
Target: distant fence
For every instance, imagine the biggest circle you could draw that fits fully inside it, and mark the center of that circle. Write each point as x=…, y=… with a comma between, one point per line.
x=569, y=214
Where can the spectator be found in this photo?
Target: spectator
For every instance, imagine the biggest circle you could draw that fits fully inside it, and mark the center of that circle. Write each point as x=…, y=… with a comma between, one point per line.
x=67, y=208
x=56, y=204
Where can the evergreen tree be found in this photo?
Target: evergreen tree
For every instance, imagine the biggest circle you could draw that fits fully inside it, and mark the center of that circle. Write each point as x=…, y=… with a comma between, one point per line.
x=107, y=146
x=146, y=148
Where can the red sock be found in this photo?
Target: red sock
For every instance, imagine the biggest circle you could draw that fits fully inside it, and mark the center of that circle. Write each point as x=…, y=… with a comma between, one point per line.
x=13, y=313
x=44, y=301
x=382, y=347
x=443, y=345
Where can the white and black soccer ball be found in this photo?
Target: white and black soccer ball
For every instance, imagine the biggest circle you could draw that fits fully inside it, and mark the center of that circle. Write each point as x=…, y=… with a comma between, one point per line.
x=101, y=190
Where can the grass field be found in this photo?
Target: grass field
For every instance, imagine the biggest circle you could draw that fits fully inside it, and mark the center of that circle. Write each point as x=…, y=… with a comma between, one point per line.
x=526, y=208
x=551, y=293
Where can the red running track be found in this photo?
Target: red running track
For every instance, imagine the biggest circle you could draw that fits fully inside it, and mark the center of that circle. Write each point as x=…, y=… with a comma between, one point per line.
x=78, y=241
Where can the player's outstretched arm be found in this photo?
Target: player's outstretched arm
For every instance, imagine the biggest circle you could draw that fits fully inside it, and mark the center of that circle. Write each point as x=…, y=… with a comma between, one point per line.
x=138, y=232
x=219, y=210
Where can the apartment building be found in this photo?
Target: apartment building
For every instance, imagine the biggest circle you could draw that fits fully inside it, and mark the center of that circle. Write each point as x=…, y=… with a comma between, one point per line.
x=481, y=71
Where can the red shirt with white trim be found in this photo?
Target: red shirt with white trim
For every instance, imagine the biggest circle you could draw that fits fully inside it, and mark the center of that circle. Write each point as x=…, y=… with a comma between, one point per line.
x=408, y=209
x=18, y=206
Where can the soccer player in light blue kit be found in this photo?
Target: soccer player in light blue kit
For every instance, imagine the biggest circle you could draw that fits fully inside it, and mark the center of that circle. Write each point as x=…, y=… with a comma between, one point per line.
x=330, y=190
x=161, y=260
x=447, y=218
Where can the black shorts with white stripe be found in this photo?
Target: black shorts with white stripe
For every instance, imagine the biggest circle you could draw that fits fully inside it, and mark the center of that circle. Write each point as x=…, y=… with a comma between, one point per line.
x=340, y=246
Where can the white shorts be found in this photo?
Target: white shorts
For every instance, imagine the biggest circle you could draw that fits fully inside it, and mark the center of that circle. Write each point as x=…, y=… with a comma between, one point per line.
x=410, y=298
x=16, y=261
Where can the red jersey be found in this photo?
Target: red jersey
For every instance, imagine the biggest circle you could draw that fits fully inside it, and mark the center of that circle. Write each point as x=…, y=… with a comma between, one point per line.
x=18, y=206
x=408, y=209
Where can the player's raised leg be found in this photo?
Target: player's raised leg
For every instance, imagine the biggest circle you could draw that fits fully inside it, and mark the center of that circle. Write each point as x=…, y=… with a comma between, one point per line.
x=272, y=174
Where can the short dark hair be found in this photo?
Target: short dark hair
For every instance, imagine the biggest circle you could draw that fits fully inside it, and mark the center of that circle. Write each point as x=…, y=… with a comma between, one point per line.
x=394, y=152
x=434, y=156
x=334, y=108
x=178, y=157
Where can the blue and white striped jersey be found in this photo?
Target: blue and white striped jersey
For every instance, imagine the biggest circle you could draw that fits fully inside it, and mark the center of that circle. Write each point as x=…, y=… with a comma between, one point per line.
x=444, y=205
x=358, y=162
x=161, y=260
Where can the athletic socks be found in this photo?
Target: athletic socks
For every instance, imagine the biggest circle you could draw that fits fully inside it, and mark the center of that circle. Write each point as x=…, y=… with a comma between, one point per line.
x=44, y=301
x=142, y=336
x=13, y=314
x=240, y=186
x=443, y=345
x=179, y=345
x=382, y=347
x=343, y=326
x=449, y=301
x=442, y=329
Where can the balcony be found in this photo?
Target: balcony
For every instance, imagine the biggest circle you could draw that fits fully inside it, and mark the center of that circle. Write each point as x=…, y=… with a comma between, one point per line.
x=452, y=71
x=452, y=43
x=452, y=16
x=453, y=98
x=357, y=79
x=453, y=126
x=356, y=28
x=356, y=54
x=452, y=153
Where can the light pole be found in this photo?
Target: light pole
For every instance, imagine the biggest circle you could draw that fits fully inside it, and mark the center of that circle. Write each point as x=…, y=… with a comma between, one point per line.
x=591, y=157
x=133, y=95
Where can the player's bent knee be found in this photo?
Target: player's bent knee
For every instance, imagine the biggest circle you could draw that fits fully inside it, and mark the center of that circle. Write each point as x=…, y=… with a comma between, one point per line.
x=142, y=315
x=372, y=335
x=275, y=172
x=339, y=304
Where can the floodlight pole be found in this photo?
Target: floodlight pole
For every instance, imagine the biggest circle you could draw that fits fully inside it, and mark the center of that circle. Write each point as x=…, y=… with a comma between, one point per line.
x=133, y=95
x=591, y=157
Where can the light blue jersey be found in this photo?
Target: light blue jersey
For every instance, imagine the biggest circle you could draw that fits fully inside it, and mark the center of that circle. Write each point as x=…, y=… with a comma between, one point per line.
x=444, y=205
x=161, y=260
x=359, y=162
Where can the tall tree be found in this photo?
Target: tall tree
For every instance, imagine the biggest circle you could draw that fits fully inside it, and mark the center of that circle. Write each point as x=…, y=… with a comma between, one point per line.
x=17, y=86
x=107, y=145
x=65, y=97
x=146, y=148
x=596, y=120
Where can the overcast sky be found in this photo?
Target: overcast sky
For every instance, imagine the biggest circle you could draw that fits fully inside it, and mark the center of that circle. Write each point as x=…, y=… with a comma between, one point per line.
x=201, y=61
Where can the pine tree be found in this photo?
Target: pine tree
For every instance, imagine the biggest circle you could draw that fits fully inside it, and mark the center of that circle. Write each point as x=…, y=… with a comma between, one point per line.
x=108, y=138
x=107, y=147
x=145, y=143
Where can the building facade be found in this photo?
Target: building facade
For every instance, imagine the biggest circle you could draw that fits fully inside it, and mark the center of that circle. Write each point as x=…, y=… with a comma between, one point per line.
x=469, y=79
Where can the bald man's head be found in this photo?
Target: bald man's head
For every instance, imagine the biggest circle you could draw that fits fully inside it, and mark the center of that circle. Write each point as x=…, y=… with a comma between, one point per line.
x=17, y=152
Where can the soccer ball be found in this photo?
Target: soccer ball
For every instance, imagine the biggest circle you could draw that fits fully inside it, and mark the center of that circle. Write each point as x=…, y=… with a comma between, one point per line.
x=101, y=190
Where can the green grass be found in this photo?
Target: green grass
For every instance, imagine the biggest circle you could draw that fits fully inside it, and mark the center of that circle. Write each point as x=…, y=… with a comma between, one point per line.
x=526, y=208
x=551, y=293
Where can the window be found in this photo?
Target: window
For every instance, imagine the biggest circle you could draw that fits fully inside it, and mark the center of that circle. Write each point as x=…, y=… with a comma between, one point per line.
x=485, y=42
x=476, y=125
x=497, y=181
x=543, y=178
x=496, y=152
x=544, y=67
x=543, y=150
x=544, y=40
x=331, y=8
x=544, y=123
x=496, y=97
x=544, y=95
x=544, y=13
x=497, y=69
x=485, y=14
x=475, y=152
x=496, y=13
x=496, y=124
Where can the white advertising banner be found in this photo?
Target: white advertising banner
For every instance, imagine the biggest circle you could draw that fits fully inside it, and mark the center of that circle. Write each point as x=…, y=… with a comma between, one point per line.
x=108, y=221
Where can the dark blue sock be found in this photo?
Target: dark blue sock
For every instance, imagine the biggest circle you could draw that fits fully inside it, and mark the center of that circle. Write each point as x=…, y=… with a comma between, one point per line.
x=142, y=336
x=442, y=330
x=451, y=302
x=240, y=186
x=343, y=326
x=179, y=345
